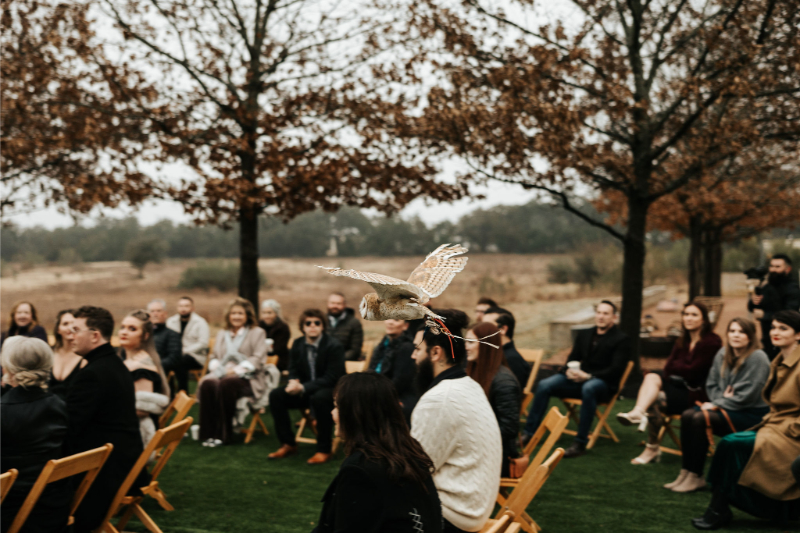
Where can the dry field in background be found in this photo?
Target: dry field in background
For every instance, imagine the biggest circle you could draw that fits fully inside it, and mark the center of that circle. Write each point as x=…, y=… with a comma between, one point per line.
x=518, y=282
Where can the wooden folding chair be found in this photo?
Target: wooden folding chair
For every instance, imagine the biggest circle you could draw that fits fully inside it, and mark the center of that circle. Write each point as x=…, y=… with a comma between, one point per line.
x=573, y=404
x=180, y=406
x=352, y=367
x=7, y=480
x=528, y=488
x=57, y=469
x=504, y=524
x=200, y=374
x=308, y=422
x=667, y=429
x=535, y=358
x=167, y=438
x=256, y=424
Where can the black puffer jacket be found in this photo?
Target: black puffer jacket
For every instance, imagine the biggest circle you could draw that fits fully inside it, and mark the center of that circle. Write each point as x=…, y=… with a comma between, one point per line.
x=349, y=333
x=392, y=358
x=505, y=396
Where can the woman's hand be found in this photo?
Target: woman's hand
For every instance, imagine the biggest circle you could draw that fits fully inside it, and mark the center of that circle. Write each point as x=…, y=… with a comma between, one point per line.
x=708, y=406
x=728, y=392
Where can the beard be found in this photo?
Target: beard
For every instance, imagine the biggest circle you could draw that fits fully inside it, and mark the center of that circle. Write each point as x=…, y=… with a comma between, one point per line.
x=424, y=376
x=776, y=278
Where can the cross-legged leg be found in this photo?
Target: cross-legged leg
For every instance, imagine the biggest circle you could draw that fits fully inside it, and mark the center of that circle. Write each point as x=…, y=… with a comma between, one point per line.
x=557, y=385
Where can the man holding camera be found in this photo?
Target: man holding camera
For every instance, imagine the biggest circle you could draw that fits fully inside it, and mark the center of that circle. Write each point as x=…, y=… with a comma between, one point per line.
x=778, y=293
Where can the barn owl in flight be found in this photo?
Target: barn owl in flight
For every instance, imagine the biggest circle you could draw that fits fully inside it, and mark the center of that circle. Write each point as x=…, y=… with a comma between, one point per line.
x=405, y=300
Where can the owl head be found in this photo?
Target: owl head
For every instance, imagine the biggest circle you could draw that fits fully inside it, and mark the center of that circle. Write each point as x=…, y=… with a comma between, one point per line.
x=369, y=306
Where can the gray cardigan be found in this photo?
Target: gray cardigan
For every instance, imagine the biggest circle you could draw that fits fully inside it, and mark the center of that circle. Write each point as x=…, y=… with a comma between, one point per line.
x=748, y=382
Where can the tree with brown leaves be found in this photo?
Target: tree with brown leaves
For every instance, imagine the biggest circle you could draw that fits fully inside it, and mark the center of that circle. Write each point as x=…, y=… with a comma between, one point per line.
x=629, y=97
x=56, y=147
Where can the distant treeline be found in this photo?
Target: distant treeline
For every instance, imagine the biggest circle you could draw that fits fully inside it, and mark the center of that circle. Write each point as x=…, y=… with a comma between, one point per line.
x=530, y=228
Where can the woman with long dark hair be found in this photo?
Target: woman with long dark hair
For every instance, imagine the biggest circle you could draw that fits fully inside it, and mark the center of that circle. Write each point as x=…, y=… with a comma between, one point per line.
x=680, y=384
x=385, y=484
x=751, y=470
x=734, y=388
x=66, y=363
x=487, y=365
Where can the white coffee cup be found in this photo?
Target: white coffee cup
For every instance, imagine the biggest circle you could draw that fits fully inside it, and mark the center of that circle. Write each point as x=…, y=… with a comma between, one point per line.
x=574, y=365
x=195, y=429
x=270, y=344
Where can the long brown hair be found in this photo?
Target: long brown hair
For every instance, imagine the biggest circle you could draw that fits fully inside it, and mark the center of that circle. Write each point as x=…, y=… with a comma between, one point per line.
x=59, y=341
x=12, y=326
x=372, y=422
x=148, y=344
x=730, y=360
x=686, y=339
x=489, y=359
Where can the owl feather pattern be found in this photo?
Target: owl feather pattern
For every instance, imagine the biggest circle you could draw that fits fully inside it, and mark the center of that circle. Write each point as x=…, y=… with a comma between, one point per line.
x=405, y=300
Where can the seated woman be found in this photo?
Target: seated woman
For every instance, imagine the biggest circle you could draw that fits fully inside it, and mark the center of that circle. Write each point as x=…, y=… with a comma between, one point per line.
x=66, y=363
x=734, y=387
x=33, y=424
x=277, y=332
x=23, y=321
x=752, y=470
x=392, y=358
x=680, y=384
x=235, y=369
x=138, y=349
x=385, y=483
x=487, y=365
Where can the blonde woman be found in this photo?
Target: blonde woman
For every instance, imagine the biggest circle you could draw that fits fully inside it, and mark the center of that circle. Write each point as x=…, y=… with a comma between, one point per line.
x=138, y=350
x=33, y=423
x=235, y=370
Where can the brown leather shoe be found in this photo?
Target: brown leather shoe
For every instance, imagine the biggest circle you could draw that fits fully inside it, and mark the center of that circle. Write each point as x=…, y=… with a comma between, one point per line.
x=319, y=458
x=284, y=451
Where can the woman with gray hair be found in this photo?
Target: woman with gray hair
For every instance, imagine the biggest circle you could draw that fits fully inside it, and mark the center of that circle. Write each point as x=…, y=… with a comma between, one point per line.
x=278, y=332
x=33, y=423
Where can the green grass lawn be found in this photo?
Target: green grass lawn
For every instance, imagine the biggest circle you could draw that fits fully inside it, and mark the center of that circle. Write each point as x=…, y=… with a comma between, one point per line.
x=237, y=489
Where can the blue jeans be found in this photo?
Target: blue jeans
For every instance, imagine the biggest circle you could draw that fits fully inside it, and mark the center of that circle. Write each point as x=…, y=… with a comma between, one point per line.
x=589, y=392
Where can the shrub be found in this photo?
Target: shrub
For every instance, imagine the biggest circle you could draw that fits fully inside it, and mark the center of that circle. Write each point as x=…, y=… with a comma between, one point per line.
x=220, y=275
x=28, y=259
x=69, y=256
x=560, y=271
x=144, y=250
x=586, y=272
x=744, y=255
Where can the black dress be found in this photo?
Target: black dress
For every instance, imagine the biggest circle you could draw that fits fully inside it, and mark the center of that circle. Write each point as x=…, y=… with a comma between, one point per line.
x=34, y=425
x=280, y=333
x=363, y=499
x=60, y=388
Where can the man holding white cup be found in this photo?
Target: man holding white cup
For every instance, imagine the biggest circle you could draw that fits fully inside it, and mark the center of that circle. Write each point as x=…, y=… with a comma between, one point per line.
x=594, y=368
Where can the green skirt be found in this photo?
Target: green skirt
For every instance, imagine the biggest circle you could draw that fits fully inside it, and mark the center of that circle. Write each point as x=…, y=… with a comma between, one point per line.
x=730, y=458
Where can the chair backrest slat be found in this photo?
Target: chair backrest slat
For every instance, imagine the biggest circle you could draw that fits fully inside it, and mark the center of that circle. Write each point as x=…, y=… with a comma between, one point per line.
x=57, y=469
x=167, y=438
x=535, y=357
x=180, y=405
x=7, y=480
x=531, y=482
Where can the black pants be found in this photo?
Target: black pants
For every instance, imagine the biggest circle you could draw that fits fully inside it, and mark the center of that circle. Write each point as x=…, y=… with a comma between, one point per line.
x=694, y=441
x=796, y=469
x=181, y=366
x=447, y=527
x=218, y=406
x=321, y=402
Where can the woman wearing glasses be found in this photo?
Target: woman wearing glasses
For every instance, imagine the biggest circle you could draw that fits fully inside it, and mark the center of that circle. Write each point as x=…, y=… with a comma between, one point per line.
x=235, y=370
x=316, y=364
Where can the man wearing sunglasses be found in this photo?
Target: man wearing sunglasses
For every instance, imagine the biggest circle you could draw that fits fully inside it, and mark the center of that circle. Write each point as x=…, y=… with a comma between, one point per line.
x=316, y=364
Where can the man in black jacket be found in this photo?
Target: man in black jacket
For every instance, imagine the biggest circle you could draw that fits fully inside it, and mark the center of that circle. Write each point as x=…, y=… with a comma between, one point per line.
x=504, y=320
x=779, y=293
x=168, y=342
x=316, y=364
x=392, y=358
x=603, y=353
x=345, y=327
x=102, y=408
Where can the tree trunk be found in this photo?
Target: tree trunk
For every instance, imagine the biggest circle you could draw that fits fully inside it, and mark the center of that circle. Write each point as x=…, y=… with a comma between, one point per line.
x=695, y=258
x=248, y=255
x=633, y=275
x=713, y=264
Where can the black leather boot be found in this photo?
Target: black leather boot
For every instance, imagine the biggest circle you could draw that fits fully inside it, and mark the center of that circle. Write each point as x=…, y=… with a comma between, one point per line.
x=718, y=514
x=576, y=450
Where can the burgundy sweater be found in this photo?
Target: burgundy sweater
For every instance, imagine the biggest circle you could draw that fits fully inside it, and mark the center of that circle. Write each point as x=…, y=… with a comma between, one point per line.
x=693, y=366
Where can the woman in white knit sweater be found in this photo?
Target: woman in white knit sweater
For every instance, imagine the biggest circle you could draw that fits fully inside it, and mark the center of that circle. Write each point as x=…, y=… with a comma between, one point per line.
x=455, y=424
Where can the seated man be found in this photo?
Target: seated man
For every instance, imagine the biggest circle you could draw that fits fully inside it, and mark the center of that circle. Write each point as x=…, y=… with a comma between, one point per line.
x=316, y=364
x=345, y=327
x=504, y=320
x=194, y=333
x=392, y=358
x=603, y=352
x=167, y=341
x=457, y=428
x=483, y=305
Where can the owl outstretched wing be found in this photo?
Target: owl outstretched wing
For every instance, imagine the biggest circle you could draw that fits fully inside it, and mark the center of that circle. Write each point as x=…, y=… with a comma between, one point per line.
x=440, y=267
x=386, y=286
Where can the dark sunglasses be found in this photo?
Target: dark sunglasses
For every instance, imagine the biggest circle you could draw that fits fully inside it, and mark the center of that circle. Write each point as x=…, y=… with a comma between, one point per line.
x=313, y=323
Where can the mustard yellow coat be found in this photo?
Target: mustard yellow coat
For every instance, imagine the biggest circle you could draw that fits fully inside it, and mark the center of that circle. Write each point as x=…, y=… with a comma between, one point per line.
x=778, y=437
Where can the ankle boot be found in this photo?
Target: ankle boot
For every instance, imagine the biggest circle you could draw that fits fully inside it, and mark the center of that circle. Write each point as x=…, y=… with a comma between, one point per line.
x=718, y=514
x=681, y=476
x=691, y=483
